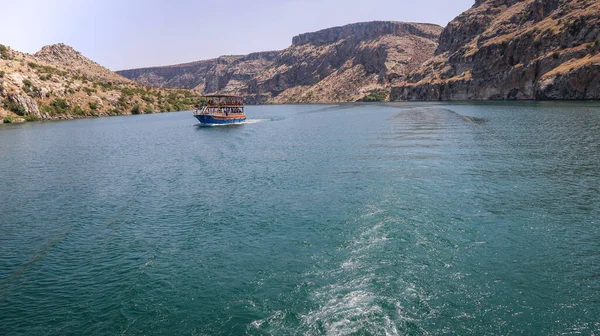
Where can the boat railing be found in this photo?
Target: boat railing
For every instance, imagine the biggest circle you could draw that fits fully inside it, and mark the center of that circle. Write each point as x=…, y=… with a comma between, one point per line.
x=219, y=110
x=220, y=106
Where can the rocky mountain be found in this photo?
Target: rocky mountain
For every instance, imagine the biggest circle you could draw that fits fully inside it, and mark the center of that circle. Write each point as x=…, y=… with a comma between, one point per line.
x=345, y=63
x=356, y=61
x=64, y=56
x=58, y=82
x=513, y=49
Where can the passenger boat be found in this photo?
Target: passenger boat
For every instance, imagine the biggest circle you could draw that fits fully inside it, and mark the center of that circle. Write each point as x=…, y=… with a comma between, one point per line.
x=220, y=109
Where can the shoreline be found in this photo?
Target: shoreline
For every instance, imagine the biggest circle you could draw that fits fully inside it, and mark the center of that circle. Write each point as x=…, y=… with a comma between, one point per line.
x=22, y=120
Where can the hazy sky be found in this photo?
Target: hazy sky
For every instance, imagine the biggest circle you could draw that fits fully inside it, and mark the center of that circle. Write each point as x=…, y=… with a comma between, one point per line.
x=122, y=34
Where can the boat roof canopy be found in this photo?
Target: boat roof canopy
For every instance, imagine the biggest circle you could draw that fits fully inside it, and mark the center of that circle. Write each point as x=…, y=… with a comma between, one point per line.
x=222, y=96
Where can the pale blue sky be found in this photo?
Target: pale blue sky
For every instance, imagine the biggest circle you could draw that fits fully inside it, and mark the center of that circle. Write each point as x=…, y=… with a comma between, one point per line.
x=122, y=34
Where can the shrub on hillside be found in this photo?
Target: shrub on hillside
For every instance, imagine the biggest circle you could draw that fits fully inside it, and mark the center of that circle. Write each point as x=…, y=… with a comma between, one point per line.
x=148, y=99
x=60, y=103
x=57, y=106
x=89, y=91
x=14, y=107
x=136, y=109
x=4, y=52
x=126, y=91
x=44, y=69
x=35, y=92
x=123, y=101
x=77, y=110
x=164, y=108
x=105, y=86
x=31, y=117
x=376, y=96
x=179, y=107
x=18, y=109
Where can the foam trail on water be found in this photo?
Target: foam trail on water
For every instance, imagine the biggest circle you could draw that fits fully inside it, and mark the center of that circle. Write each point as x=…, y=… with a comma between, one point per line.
x=350, y=305
x=357, y=296
x=254, y=121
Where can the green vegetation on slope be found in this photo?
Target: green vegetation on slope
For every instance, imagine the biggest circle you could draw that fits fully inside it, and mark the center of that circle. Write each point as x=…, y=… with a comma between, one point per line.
x=375, y=96
x=4, y=53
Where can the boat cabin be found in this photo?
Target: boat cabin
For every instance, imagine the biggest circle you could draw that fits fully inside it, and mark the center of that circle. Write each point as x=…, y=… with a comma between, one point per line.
x=223, y=105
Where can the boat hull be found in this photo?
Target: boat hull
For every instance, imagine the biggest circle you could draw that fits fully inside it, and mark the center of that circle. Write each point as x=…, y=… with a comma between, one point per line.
x=217, y=120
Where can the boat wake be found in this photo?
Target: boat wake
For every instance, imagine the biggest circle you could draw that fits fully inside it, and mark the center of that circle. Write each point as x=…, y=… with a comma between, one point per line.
x=358, y=296
x=254, y=121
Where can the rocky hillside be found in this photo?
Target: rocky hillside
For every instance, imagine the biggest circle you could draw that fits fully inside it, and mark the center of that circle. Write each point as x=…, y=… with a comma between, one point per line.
x=63, y=56
x=349, y=63
x=223, y=74
x=59, y=83
x=513, y=49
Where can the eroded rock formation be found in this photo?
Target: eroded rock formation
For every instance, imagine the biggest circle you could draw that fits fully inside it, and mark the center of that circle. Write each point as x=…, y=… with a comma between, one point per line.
x=332, y=65
x=344, y=63
x=513, y=49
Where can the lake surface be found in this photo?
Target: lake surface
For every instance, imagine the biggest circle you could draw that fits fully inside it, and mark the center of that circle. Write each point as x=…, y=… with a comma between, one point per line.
x=357, y=219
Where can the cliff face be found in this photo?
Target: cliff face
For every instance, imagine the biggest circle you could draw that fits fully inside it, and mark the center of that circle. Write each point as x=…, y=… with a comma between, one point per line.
x=366, y=31
x=344, y=63
x=513, y=49
x=223, y=74
x=59, y=83
x=332, y=65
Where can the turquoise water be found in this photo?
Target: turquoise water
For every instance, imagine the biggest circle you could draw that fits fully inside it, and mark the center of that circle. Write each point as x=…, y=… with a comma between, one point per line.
x=394, y=219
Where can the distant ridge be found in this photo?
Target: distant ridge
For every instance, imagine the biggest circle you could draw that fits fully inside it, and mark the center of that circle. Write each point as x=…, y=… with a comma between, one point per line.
x=212, y=74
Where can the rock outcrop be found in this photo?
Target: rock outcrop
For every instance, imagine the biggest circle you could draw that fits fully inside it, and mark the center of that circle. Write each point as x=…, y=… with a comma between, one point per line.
x=513, y=49
x=29, y=105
